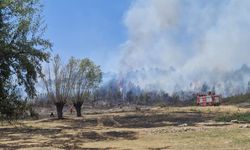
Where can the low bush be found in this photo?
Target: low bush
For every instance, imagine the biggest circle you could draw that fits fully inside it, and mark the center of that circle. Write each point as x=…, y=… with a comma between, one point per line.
x=236, y=116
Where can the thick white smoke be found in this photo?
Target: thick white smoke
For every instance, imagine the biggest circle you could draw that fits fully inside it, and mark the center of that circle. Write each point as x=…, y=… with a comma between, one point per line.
x=202, y=40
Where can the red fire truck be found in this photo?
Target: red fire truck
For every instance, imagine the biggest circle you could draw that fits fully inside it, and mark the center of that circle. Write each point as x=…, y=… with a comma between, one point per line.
x=210, y=99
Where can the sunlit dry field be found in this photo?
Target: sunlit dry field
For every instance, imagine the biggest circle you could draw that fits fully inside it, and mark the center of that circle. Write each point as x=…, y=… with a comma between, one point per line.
x=126, y=128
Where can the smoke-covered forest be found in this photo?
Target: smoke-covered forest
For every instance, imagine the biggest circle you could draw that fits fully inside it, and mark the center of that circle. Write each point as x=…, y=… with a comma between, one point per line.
x=131, y=74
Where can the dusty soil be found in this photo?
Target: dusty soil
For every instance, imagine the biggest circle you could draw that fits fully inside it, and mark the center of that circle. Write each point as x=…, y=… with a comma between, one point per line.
x=150, y=128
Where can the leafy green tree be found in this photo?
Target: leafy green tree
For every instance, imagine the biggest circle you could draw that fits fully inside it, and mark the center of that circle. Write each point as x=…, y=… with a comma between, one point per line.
x=85, y=77
x=72, y=82
x=22, y=49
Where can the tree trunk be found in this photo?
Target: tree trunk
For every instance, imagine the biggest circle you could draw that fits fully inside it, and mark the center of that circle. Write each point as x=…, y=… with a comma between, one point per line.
x=78, y=107
x=59, y=109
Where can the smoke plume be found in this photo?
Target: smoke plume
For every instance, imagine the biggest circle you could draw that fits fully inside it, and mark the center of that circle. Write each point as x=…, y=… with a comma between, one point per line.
x=195, y=42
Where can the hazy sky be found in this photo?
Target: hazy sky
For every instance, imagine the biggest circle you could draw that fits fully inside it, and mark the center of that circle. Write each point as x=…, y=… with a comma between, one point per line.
x=202, y=40
x=87, y=28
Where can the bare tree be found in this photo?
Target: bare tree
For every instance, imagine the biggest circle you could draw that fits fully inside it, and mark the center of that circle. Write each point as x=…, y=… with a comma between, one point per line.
x=56, y=81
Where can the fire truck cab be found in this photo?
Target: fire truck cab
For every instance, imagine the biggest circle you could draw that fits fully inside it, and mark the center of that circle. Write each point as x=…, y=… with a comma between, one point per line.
x=210, y=99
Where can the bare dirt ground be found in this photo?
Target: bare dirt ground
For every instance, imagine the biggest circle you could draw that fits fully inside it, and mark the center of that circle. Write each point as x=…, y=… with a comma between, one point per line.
x=150, y=128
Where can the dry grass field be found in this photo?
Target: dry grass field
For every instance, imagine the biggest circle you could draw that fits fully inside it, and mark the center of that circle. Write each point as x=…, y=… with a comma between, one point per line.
x=149, y=128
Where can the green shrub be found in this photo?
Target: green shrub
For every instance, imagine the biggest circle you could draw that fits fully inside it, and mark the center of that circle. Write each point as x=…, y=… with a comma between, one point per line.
x=236, y=99
x=12, y=107
x=161, y=104
x=236, y=116
x=33, y=113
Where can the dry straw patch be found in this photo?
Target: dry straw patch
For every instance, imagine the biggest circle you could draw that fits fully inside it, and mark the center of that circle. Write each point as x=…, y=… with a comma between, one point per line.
x=149, y=128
